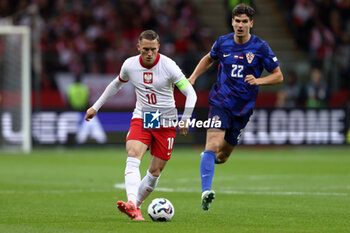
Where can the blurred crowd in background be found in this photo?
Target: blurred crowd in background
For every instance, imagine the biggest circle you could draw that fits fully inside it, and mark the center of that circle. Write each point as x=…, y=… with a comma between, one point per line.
x=321, y=28
x=96, y=36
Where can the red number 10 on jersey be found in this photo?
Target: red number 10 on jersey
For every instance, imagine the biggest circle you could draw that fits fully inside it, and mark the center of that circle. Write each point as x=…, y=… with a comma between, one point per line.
x=152, y=98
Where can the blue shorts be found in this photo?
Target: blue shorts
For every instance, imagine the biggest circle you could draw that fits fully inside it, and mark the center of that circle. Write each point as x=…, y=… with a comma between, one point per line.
x=233, y=125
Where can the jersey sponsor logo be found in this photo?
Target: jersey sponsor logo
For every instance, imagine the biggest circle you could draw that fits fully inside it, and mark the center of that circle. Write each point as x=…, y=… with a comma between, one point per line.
x=148, y=77
x=151, y=119
x=274, y=59
x=250, y=56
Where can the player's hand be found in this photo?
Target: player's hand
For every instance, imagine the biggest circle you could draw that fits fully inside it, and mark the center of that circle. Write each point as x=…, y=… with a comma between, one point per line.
x=191, y=80
x=183, y=128
x=183, y=131
x=251, y=80
x=90, y=113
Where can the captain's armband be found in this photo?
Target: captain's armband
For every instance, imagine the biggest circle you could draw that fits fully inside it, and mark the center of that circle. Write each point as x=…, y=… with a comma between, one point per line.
x=182, y=84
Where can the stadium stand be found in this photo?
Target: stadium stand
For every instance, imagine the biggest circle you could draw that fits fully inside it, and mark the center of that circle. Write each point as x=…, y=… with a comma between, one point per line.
x=95, y=36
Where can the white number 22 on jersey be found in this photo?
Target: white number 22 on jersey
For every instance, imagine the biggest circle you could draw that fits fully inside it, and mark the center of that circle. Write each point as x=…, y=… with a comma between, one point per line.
x=237, y=71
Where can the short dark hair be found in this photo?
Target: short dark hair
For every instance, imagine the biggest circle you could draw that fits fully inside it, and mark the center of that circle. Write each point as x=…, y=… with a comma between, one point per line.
x=243, y=9
x=149, y=35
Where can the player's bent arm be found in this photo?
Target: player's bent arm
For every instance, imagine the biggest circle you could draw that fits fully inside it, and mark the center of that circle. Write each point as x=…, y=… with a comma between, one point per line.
x=110, y=91
x=191, y=97
x=186, y=88
x=201, y=67
x=275, y=77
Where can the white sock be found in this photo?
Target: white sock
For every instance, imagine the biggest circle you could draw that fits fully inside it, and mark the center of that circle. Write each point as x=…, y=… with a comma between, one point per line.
x=132, y=178
x=147, y=185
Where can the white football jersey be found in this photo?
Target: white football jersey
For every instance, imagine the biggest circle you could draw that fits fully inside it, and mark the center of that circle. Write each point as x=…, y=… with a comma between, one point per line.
x=154, y=86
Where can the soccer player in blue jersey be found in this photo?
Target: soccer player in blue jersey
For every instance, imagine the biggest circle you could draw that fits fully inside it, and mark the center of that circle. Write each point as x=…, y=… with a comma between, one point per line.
x=242, y=57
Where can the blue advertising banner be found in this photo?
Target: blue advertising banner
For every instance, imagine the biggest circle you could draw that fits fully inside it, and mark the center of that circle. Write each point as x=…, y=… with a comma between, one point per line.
x=266, y=127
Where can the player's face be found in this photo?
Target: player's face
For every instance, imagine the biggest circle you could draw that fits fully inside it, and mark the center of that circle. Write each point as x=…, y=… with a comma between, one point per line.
x=242, y=25
x=148, y=50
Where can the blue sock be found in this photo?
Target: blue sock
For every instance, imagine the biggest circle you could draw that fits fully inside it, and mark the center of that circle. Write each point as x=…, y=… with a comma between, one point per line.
x=207, y=168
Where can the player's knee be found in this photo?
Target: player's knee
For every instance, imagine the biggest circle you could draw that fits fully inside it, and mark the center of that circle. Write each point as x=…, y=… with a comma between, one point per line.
x=134, y=153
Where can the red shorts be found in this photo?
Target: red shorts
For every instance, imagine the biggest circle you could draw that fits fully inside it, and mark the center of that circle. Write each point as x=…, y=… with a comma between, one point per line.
x=160, y=140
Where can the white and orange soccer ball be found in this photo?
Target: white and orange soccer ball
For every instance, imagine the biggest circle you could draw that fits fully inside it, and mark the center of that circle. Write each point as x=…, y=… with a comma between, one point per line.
x=161, y=210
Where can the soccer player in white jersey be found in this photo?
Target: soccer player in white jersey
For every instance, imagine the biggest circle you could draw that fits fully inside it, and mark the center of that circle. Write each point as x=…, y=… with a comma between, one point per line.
x=153, y=75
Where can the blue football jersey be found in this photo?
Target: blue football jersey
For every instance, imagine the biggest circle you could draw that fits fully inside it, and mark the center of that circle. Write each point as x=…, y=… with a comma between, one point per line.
x=236, y=61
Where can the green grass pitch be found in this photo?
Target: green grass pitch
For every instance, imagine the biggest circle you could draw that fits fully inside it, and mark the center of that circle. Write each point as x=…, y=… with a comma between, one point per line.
x=287, y=189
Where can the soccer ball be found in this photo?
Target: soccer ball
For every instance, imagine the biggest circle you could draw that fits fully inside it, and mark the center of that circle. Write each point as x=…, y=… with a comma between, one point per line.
x=161, y=210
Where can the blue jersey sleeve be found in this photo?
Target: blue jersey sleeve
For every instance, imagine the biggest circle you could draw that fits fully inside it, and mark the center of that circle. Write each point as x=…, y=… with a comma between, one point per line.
x=214, y=51
x=270, y=61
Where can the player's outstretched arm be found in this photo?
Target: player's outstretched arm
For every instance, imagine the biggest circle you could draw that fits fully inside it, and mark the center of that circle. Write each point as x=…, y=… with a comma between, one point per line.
x=191, y=98
x=275, y=77
x=201, y=67
x=110, y=91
